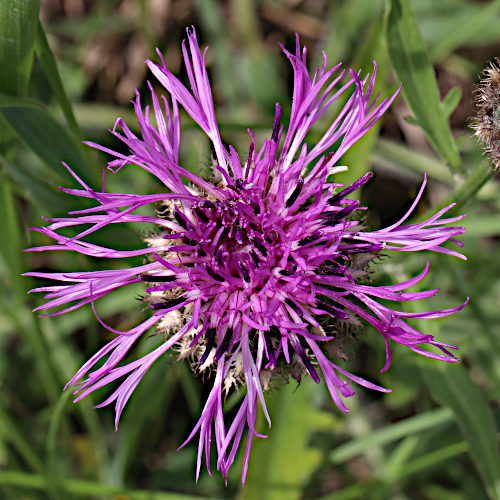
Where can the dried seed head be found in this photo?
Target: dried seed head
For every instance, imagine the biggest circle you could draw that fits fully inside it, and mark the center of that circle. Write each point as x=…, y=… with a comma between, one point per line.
x=487, y=122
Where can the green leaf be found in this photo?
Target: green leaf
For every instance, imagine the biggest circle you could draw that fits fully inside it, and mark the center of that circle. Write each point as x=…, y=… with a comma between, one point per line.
x=44, y=136
x=45, y=196
x=464, y=27
x=11, y=241
x=451, y=100
x=466, y=191
x=281, y=464
x=48, y=62
x=481, y=226
x=411, y=63
x=395, y=155
x=354, y=492
x=53, y=467
x=433, y=458
x=399, y=458
x=79, y=487
x=18, y=26
x=343, y=26
x=386, y=435
x=139, y=428
x=13, y=433
x=373, y=47
x=452, y=386
x=18, y=20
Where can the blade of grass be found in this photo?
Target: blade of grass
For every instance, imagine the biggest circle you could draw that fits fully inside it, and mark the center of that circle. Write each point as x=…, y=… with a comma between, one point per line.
x=475, y=304
x=34, y=189
x=18, y=20
x=468, y=25
x=372, y=48
x=354, y=492
x=419, y=464
x=282, y=463
x=453, y=387
x=78, y=487
x=19, y=441
x=28, y=327
x=483, y=226
x=386, y=435
x=11, y=246
x=18, y=26
x=434, y=458
x=410, y=59
x=398, y=458
x=67, y=361
x=44, y=136
x=49, y=65
x=466, y=191
x=53, y=469
x=386, y=150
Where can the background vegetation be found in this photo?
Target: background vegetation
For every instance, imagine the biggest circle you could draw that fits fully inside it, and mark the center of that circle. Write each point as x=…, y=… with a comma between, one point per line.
x=67, y=78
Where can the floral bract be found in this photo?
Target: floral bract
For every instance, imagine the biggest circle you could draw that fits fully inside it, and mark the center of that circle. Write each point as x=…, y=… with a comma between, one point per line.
x=243, y=269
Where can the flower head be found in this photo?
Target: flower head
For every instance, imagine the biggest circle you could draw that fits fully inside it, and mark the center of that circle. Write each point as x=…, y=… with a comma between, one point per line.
x=487, y=122
x=243, y=269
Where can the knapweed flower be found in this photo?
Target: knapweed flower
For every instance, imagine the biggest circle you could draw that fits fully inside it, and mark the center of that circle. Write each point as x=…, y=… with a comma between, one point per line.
x=242, y=269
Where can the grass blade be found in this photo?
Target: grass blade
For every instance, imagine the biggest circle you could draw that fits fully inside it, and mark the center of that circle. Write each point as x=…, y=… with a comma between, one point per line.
x=18, y=20
x=452, y=386
x=386, y=435
x=49, y=65
x=466, y=191
x=19, y=441
x=468, y=24
x=53, y=469
x=79, y=488
x=44, y=136
x=394, y=155
x=281, y=464
x=43, y=195
x=409, y=56
x=18, y=26
x=11, y=244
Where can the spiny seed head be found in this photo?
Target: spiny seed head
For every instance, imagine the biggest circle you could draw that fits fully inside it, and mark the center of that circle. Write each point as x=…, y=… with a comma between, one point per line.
x=487, y=122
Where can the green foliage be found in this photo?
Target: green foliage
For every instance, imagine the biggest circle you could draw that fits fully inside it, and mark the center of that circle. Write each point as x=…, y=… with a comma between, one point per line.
x=411, y=62
x=453, y=387
x=18, y=27
x=283, y=463
x=68, y=78
x=44, y=135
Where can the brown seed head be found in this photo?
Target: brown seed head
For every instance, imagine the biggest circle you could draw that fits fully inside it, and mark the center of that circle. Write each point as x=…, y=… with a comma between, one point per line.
x=487, y=122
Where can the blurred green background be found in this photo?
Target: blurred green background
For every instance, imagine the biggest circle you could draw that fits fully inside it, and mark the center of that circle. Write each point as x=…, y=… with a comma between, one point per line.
x=68, y=78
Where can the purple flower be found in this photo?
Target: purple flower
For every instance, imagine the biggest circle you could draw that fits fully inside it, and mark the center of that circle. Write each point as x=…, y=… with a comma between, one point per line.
x=243, y=270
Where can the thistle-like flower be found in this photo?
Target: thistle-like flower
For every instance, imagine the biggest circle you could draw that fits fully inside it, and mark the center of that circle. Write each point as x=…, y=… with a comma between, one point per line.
x=243, y=269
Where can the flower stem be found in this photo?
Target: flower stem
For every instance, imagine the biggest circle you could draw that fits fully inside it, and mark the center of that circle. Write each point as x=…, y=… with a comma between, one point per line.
x=466, y=191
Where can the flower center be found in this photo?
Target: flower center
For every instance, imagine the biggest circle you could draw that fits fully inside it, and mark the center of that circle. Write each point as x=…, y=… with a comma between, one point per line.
x=230, y=237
